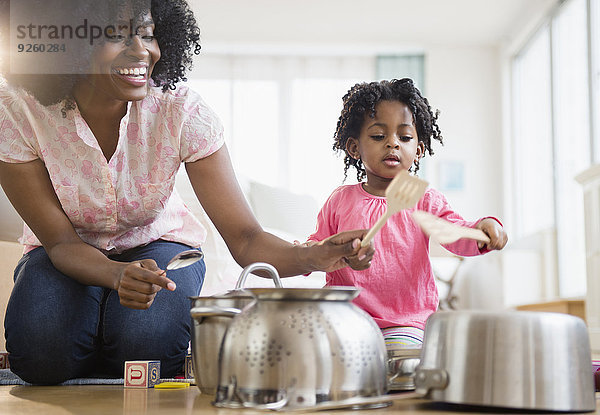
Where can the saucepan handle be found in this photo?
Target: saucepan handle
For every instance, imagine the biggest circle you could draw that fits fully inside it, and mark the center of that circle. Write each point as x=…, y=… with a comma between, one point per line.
x=427, y=379
x=259, y=266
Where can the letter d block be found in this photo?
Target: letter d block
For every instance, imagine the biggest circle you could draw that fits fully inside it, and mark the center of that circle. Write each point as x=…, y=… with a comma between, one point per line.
x=142, y=373
x=4, y=360
x=188, y=367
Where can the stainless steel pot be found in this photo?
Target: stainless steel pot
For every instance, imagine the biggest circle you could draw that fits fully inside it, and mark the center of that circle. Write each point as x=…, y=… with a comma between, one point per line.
x=301, y=348
x=521, y=360
x=211, y=317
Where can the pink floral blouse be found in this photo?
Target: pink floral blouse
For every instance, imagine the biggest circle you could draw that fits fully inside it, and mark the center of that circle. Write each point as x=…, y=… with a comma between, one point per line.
x=130, y=199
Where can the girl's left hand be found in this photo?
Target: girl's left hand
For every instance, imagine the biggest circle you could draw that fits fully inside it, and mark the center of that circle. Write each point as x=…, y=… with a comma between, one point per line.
x=496, y=233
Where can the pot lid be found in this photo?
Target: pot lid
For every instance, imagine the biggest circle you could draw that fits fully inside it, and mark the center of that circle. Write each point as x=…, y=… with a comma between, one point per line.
x=227, y=294
x=306, y=294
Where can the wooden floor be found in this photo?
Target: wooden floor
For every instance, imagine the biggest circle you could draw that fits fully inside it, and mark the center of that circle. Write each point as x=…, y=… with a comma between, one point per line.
x=115, y=399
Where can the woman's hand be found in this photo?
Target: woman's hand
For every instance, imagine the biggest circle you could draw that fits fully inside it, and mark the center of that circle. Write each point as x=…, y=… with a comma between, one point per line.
x=496, y=233
x=341, y=250
x=139, y=282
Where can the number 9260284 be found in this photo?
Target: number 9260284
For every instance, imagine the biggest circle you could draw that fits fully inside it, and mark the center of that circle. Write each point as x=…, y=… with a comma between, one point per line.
x=41, y=47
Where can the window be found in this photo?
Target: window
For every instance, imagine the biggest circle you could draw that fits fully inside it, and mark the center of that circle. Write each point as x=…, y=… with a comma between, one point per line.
x=313, y=166
x=552, y=140
x=532, y=153
x=595, y=74
x=572, y=141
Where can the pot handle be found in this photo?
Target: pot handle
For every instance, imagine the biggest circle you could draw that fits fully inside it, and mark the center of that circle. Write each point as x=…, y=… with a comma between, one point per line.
x=208, y=311
x=255, y=267
x=428, y=379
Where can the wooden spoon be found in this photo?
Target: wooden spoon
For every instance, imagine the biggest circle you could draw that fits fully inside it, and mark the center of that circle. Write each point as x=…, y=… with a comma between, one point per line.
x=403, y=192
x=446, y=232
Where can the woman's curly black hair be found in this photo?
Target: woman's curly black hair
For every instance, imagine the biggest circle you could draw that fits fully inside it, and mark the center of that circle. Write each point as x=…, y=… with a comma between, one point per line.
x=176, y=31
x=361, y=101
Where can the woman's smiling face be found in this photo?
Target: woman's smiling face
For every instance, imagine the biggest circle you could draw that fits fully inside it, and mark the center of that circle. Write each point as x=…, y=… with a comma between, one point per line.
x=122, y=65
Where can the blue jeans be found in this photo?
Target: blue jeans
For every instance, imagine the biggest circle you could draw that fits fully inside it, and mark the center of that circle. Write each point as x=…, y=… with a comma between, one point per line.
x=59, y=329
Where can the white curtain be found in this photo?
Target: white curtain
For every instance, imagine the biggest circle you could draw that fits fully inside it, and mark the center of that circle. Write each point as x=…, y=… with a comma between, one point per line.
x=280, y=114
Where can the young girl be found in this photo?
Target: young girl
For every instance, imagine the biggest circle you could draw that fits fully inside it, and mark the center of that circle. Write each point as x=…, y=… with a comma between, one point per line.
x=386, y=127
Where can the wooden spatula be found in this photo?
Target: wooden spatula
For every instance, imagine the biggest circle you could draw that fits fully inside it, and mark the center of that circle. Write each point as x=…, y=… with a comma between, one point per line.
x=403, y=192
x=446, y=232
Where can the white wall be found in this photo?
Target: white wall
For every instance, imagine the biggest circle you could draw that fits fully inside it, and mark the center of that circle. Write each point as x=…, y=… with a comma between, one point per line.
x=464, y=83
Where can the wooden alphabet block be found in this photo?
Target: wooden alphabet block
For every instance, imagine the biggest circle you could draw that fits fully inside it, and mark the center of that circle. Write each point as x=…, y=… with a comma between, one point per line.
x=188, y=368
x=4, y=360
x=142, y=373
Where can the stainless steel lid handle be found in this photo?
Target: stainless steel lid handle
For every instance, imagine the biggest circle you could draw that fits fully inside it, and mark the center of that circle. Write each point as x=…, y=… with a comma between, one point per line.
x=198, y=313
x=259, y=266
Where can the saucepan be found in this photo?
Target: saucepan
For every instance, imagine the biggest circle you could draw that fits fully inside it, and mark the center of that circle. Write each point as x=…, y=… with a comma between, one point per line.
x=401, y=365
x=513, y=359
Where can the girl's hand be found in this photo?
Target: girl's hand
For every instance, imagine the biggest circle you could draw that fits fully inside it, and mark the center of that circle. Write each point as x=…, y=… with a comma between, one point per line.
x=359, y=261
x=340, y=250
x=496, y=233
x=139, y=282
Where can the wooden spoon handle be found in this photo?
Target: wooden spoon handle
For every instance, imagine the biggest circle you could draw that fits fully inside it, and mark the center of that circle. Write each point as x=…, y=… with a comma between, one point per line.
x=374, y=229
x=474, y=233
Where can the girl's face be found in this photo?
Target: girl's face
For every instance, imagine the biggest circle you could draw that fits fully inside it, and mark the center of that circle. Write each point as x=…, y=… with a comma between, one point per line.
x=121, y=67
x=388, y=143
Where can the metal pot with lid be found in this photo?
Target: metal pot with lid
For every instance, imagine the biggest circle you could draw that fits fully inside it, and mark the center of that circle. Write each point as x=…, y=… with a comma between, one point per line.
x=211, y=317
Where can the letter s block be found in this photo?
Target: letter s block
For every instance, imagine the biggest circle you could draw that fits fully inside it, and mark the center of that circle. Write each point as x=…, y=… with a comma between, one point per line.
x=142, y=373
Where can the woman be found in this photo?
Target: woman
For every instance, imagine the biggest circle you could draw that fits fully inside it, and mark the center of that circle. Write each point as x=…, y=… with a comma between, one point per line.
x=89, y=162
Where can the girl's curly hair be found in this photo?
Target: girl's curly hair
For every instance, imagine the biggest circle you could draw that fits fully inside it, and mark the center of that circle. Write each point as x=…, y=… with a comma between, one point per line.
x=176, y=31
x=361, y=100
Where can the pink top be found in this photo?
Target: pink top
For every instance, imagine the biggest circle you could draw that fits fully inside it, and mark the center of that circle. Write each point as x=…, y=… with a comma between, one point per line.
x=130, y=200
x=399, y=288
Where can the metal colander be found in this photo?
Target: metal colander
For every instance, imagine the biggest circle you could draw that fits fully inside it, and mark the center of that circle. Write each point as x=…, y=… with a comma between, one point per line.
x=304, y=346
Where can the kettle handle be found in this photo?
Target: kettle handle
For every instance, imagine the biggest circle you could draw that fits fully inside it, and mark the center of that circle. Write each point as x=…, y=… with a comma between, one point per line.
x=255, y=267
